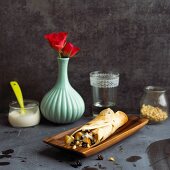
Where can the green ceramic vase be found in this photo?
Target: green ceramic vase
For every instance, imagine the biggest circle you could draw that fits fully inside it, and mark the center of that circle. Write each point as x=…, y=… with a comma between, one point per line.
x=62, y=104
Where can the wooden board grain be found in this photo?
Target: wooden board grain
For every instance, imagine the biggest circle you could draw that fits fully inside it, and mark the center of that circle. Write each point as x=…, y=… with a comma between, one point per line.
x=134, y=124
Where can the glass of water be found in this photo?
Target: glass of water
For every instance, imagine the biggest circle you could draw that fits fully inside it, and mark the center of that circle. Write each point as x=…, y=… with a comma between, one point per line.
x=104, y=90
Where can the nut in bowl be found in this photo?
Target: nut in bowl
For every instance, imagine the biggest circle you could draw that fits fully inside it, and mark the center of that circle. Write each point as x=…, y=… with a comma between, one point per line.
x=154, y=105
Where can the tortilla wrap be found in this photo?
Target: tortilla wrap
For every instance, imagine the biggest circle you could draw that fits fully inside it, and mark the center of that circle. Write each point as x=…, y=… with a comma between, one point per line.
x=104, y=125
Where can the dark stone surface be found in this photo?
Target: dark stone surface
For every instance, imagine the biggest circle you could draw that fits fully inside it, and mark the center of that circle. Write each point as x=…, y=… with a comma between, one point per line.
x=31, y=153
x=130, y=36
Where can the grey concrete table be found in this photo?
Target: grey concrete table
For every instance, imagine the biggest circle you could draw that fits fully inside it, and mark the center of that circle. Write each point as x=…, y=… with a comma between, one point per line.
x=132, y=153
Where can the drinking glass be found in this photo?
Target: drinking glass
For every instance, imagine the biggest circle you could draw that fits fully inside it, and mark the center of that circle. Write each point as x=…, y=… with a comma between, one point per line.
x=104, y=90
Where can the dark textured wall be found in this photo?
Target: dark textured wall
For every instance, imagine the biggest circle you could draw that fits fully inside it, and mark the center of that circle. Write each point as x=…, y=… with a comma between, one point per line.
x=131, y=36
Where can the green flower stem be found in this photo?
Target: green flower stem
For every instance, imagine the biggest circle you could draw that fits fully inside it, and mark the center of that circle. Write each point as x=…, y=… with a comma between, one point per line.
x=59, y=55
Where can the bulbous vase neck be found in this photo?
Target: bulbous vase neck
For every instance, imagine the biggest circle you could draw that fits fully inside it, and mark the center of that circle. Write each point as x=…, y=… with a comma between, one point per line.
x=63, y=72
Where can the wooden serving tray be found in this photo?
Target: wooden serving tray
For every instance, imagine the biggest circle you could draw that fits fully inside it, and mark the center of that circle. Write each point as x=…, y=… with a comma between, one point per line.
x=133, y=125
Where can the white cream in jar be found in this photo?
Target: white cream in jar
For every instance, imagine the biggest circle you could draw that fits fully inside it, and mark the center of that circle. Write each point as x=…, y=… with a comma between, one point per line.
x=30, y=116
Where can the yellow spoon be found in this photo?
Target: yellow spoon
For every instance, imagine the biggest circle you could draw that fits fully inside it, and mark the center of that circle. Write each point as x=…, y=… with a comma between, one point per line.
x=17, y=90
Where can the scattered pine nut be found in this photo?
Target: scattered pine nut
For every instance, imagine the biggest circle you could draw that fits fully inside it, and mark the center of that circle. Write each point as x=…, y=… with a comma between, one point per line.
x=77, y=142
x=69, y=139
x=88, y=146
x=74, y=147
x=112, y=159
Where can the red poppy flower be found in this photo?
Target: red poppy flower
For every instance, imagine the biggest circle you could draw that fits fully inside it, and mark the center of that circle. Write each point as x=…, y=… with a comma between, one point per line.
x=70, y=50
x=57, y=40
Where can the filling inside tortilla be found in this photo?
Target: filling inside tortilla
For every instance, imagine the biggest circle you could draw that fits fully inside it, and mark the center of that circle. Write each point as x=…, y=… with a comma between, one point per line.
x=82, y=138
x=97, y=130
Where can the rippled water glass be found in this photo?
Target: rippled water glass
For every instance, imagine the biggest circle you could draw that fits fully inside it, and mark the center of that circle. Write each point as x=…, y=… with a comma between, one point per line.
x=104, y=90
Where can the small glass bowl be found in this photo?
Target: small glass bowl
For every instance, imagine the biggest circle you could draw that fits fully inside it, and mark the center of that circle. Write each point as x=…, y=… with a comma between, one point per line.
x=30, y=116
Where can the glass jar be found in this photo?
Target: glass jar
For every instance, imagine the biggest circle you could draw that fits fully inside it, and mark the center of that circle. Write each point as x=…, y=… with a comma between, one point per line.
x=154, y=104
x=29, y=116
